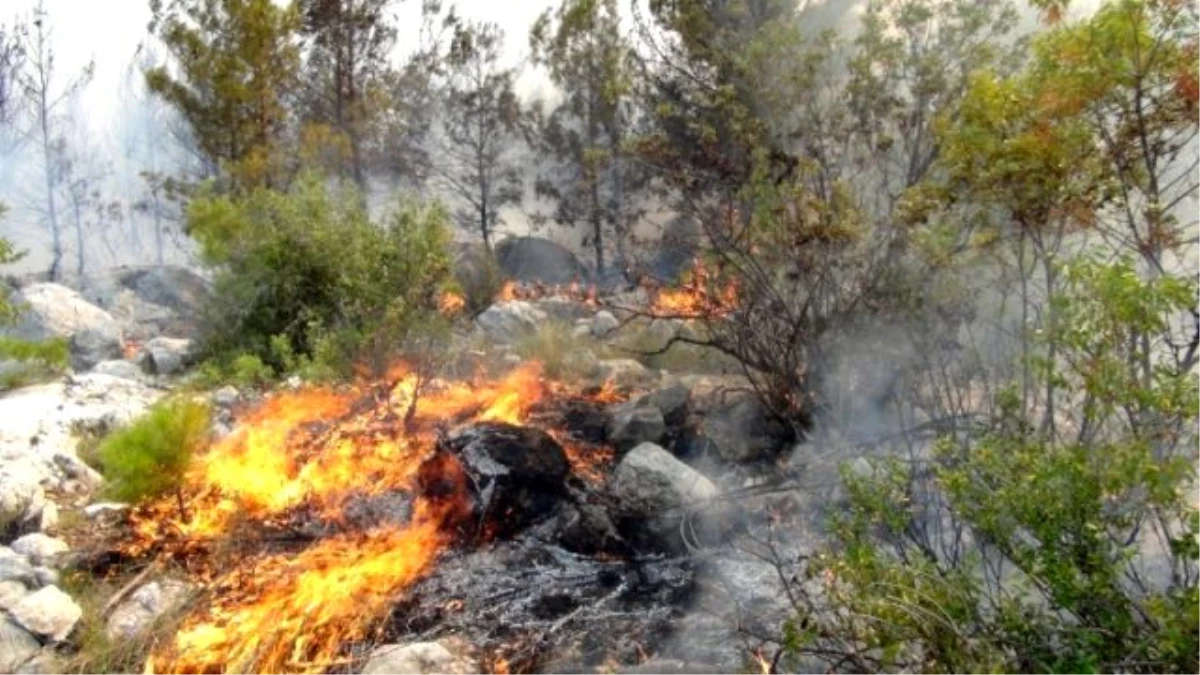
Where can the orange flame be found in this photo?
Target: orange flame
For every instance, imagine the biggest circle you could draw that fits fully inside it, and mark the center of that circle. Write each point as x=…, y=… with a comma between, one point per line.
x=451, y=303
x=698, y=297
x=311, y=451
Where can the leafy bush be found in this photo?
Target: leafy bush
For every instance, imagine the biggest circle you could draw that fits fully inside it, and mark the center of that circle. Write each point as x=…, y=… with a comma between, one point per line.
x=150, y=457
x=1033, y=547
x=305, y=278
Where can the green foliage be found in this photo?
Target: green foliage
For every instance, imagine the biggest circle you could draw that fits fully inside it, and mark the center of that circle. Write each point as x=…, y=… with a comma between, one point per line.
x=238, y=62
x=149, y=458
x=1065, y=522
x=305, y=278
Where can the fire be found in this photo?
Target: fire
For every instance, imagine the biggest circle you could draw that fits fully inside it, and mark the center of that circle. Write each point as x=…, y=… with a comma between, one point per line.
x=764, y=665
x=513, y=290
x=451, y=303
x=699, y=296
x=309, y=453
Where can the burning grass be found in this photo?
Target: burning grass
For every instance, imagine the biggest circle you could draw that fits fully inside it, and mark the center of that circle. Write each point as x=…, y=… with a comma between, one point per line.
x=285, y=599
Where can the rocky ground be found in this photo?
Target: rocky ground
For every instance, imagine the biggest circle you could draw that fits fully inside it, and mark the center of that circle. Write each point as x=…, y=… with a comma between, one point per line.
x=687, y=438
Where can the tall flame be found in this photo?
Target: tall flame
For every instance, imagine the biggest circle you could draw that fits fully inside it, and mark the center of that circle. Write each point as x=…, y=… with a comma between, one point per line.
x=699, y=296
x=313, y=450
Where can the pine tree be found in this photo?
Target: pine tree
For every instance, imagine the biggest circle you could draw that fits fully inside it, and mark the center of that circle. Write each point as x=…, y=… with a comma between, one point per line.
x=238, y=64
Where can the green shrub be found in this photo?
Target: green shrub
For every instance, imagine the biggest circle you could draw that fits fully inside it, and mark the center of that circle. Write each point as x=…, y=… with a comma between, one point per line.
x=1022, y=547
x=305, y=279
x=150, y=457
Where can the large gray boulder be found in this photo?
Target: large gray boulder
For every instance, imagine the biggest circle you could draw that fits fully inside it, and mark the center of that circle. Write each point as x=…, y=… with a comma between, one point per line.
x=177, y=288
x=649, y=481
x=665, y=504
x=508, y=322
x=41, y=549
x=47, y=612
x=741, y=429
x=537, y=259
x=55, y=311
x=444, y=656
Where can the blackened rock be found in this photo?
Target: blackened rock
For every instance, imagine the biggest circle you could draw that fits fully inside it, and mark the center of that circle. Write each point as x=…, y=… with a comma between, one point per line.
x=516, y=473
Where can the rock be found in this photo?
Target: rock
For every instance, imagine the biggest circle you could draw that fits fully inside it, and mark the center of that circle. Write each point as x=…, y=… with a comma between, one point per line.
x=446, y=656
x=22, y=497
x=76, y=469
x=16, y=646
x=119, y=368
x=45, y=662
x=16, y=567
x=179, y=289
x=49, y=518
x=654, y=492
x=45, y=576
x=563, y=310
x=507, y=322
x=47, y=612
x=11, y=592
x=55, y=311
x=144, y=606
x=624, y=372
x=104, y=509
x=740, y=429
x=604, y=323
x=537, y=259
x=166, y=356
x=672, y=401
x=649, y=481
x=581, y=331
x=516, y=474
x=39, y=548
x=226, y=397
x=93, y=345
x=629, y=426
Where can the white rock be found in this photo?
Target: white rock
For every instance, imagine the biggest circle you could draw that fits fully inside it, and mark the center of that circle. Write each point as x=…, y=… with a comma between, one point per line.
x=121, y=368
x=49, y=517
x=624, y=372
x=167, y=356
x=55, y=311
x=15, y=567
x=604, y=323
x=16, y=646
x=650, y=480
x=11, y=592
x=143, y=606
x=39, y=548
x=507, y=322
x=420, y=658
x=226, y=397
x=45, y=576
x=104, y=509
x=47, y=612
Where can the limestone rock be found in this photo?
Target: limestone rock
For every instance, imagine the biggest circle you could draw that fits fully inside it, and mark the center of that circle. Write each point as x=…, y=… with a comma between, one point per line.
x=144, y=606
x=47, y=612
x=16, y=646
x=167, y=356
x=445, y=656
x=507, y=322
x=39, y=548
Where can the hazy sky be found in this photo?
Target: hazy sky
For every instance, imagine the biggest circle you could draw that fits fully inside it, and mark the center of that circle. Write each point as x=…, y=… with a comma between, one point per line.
x=109, y=31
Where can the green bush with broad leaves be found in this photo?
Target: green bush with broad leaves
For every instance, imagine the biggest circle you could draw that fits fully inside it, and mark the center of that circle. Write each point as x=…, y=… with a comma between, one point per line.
x=1029, y=547
x=307, y=282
